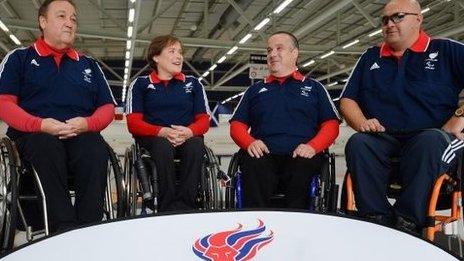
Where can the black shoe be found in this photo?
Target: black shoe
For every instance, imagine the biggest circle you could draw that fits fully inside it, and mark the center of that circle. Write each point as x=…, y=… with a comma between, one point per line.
x=383, y=220
x=408, y=226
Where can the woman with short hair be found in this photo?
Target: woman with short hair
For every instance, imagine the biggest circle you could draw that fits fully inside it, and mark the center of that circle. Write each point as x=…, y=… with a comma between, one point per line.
x=168, y=114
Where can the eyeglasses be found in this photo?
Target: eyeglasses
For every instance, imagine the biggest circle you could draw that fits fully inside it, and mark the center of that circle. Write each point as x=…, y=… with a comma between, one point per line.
x=395, y=18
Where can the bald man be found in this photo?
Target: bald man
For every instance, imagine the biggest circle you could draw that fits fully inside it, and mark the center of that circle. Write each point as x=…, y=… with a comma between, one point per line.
x=282, y=125
x=402, y=98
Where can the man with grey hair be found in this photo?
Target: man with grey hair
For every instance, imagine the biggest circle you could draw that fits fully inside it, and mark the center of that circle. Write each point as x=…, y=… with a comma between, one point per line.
x=402, y=98
x=55, y=102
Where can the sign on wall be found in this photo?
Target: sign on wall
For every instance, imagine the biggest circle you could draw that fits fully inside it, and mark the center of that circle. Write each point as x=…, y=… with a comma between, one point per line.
x=258, y=66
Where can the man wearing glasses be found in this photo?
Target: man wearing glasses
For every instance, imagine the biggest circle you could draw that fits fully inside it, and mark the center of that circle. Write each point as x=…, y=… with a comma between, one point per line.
x=402, y=98
x=291, y=120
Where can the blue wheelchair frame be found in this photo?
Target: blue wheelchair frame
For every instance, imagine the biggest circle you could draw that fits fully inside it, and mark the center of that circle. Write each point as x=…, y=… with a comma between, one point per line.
x=322, y=191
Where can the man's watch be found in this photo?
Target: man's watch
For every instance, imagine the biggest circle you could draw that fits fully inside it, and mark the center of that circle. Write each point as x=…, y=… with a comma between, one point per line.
x=459, y=112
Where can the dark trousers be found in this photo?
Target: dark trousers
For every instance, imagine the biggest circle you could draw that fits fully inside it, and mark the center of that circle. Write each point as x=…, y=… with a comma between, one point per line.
x=261, y=177
x=85, y=159
x=422, y=158
x=191, y=154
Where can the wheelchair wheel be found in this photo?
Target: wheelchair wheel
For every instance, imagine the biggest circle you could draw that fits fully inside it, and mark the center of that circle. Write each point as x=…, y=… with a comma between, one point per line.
x=131, y=182
x=115, y=173
x=210, y=184
x=230, y=197
x=8, y=194
x=329, y=188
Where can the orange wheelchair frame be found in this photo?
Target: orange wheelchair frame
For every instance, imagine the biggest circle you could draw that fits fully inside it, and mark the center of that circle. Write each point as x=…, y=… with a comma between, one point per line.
x=447, y=187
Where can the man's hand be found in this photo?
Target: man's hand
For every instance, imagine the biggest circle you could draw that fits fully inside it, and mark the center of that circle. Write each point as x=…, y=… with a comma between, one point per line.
x=304, y=151
x=257, y=149
x=54, y=127
x=184, y=133
x=371, y=125
x=170, y=134
x=78, y=125
x=455, y=125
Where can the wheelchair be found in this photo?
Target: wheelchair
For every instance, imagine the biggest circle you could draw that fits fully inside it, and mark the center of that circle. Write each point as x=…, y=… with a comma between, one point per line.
x=322, y=191
x=142, y=192
x=446, y=194
x=21, y=190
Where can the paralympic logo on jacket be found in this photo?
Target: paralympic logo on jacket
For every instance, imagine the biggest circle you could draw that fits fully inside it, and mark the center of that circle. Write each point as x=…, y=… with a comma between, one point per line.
x=233, y=245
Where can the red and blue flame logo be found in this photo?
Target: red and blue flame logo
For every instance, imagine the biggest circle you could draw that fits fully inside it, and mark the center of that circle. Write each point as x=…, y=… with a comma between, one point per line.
x=232, y=245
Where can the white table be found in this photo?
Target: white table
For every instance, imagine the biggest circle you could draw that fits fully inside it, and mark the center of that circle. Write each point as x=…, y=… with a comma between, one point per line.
x=295, y=236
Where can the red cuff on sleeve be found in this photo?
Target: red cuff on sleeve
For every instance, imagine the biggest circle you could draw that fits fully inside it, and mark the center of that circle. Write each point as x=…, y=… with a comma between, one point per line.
x=200, y=125
x=101, y=118
x=239, y=133
x=16, y=117
x=138, y=127
x=326, y=135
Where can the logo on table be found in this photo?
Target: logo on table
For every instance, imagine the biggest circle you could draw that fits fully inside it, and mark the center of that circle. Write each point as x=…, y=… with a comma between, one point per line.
x=233, y=245
x=188, y=87
x=305, y=90
x=430, y=62
x=87, y=75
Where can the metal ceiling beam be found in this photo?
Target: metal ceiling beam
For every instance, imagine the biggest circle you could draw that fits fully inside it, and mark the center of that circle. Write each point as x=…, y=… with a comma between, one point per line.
x=101, y=15
x=222, y=81
x=452, y=31
x=10, y=10
x=316, y=20
x=227, y=88
x=181, y=11
x=363, y=13
x=114, y=83
x=242, y=14
x=112, y=19
x=195, y=71
x=36, y=4
x=205, y=18
x=339, y=35
x=4, y=47
x=187, y=41
x=232, y=69
x=139, y=72
x=461, y=3
x=330, y=75
x=151, y=20
x=155, y=13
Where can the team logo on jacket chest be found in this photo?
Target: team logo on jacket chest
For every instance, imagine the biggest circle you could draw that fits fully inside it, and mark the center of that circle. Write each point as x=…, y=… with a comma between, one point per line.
x=87, y=75
x=430, y=62
x=305, y=90
x=188, y=87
